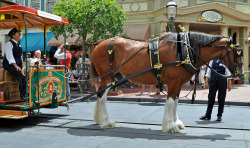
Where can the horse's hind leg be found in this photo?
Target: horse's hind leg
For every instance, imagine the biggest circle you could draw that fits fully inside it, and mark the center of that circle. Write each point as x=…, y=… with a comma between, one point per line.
x=101, y=116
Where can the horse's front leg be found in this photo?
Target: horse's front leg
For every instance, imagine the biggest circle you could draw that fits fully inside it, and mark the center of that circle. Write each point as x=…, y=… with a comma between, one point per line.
x=175, y=115
x=101, y=116
x=168, y=124
x=171, y=123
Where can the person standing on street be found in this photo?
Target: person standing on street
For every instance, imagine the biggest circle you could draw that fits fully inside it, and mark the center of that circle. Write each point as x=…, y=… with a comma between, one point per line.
x=13, y=62
x=59, y=54
x=217, y=83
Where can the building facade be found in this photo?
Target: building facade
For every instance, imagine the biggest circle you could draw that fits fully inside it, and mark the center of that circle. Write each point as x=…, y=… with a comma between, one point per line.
x=44, y=5
x=208, y=16
x=149, y=17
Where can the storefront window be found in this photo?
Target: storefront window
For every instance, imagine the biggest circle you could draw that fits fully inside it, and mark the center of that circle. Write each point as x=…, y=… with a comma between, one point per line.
x=50, y=4
x=35, y=4
x=20, y=2
x=243, y=1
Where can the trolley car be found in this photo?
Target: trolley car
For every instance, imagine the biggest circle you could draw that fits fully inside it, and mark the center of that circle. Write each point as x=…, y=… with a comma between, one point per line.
x=44, y=88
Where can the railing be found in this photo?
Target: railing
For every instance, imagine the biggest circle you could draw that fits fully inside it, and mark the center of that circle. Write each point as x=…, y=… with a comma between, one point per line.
x=84, y=69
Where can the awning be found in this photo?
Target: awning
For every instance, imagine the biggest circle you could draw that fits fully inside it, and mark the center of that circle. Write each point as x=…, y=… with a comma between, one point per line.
x=36, y=41
x=57, y=42
x=138, y=31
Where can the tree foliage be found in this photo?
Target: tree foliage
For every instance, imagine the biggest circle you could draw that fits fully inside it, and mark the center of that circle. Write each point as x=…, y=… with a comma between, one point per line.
x=100, y=18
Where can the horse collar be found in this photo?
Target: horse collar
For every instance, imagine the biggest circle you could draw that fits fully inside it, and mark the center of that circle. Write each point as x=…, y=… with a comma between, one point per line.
x=186, y=55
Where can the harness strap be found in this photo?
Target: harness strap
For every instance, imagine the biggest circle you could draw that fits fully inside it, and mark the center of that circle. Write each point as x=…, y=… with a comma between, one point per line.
x=111, y=55
x=154, y=55
x=122, y=81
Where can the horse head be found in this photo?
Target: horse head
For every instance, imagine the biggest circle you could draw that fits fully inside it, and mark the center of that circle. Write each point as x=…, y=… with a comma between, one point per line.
x=232, y=57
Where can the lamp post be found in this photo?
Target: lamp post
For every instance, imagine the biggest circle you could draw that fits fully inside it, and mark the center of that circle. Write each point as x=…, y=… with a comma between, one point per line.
x=172, y=12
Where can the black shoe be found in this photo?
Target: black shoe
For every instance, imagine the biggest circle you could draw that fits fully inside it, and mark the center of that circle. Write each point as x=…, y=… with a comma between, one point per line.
x=157, y=93
x=205, y=117
x=219, y=118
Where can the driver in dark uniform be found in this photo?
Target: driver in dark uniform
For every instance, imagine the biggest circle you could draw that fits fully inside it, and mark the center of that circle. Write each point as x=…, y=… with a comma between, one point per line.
x=217, y=83
x=13, y=60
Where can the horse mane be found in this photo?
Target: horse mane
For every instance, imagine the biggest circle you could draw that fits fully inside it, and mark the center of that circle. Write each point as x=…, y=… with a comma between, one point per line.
x=202, y=39
x=125, y=37
x=169, y=37
x=196, y=39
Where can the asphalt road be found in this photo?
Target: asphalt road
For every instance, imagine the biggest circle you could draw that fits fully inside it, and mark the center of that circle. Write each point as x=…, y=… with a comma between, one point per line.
x=138, y=125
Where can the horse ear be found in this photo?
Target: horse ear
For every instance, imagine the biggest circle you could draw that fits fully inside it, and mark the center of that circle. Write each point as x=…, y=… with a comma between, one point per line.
x=234, y=38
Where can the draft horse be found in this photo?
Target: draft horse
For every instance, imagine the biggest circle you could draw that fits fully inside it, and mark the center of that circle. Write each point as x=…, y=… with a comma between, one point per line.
x=207, y=47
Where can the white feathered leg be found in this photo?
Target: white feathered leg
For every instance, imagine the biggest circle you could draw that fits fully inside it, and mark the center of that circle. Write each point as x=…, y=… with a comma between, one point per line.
x=101, y=116
x=168, y=124
x=175, y=114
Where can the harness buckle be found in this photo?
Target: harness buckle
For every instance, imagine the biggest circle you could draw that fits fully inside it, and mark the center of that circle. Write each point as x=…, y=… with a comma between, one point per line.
x=158, y=66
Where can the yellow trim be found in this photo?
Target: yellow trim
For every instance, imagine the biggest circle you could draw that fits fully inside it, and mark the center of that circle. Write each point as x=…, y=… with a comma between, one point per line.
x=18, y=11
x=2, y=17
x=46, y=30
x=187, y=61
x=182, y=28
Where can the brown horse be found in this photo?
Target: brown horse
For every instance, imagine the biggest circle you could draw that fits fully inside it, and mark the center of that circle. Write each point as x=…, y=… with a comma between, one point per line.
x=208, y=47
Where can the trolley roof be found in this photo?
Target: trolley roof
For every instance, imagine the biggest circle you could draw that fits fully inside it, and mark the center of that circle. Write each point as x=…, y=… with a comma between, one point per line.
x=12, y=16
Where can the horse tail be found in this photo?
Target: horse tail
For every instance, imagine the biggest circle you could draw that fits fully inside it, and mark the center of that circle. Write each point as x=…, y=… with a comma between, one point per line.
x=93, y=74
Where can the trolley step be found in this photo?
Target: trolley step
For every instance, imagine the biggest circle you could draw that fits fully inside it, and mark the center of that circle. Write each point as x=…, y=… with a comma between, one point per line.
x=13, y=114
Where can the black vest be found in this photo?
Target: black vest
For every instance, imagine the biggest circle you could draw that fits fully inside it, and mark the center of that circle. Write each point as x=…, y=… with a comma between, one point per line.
x=17, y=54
x=220, y=69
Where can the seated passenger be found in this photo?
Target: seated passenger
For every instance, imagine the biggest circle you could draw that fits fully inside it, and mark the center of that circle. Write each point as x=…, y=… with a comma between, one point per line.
x=37, y=57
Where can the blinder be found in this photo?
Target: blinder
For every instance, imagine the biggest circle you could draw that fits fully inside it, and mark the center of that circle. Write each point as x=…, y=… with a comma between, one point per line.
x=238, y=54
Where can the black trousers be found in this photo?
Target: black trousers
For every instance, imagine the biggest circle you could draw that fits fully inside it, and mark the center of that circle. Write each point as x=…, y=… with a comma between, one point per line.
x=20, y=79
x=221, y=87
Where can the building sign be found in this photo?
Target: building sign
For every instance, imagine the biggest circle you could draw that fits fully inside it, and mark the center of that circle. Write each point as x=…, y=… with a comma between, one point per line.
x=211, y=16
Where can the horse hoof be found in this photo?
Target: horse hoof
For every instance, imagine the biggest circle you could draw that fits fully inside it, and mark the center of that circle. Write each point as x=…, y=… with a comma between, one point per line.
x=172, y=128
x=180, y=124
x=108, y=124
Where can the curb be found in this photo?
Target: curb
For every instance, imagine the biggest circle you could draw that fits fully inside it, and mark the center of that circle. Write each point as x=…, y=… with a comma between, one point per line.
x=161, y=100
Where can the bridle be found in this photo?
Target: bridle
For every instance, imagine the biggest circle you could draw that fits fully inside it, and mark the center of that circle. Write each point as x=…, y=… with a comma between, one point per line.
x=238, y=54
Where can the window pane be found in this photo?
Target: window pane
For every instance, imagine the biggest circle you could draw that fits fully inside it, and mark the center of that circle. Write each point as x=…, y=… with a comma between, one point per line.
x=20, y=2
x=35, y=4
x=50, y=4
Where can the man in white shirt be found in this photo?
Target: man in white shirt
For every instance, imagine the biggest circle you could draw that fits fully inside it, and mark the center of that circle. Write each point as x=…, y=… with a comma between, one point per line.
x=29, y=59
x=62, y=57
x=217, y=83
x=13, y=60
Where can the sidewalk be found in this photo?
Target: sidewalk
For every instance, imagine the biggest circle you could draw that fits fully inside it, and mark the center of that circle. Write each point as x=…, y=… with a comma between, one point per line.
x=239, y=95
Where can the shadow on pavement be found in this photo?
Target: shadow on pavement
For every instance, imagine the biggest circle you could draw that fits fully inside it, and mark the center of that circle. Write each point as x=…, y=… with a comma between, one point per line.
x=132, y=133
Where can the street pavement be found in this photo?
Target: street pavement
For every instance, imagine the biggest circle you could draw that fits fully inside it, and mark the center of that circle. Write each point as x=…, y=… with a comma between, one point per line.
x=138, y=125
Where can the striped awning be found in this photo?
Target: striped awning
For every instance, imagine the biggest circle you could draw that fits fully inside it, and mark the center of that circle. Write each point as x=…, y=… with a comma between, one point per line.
x=138, y=31
x=58, y=42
